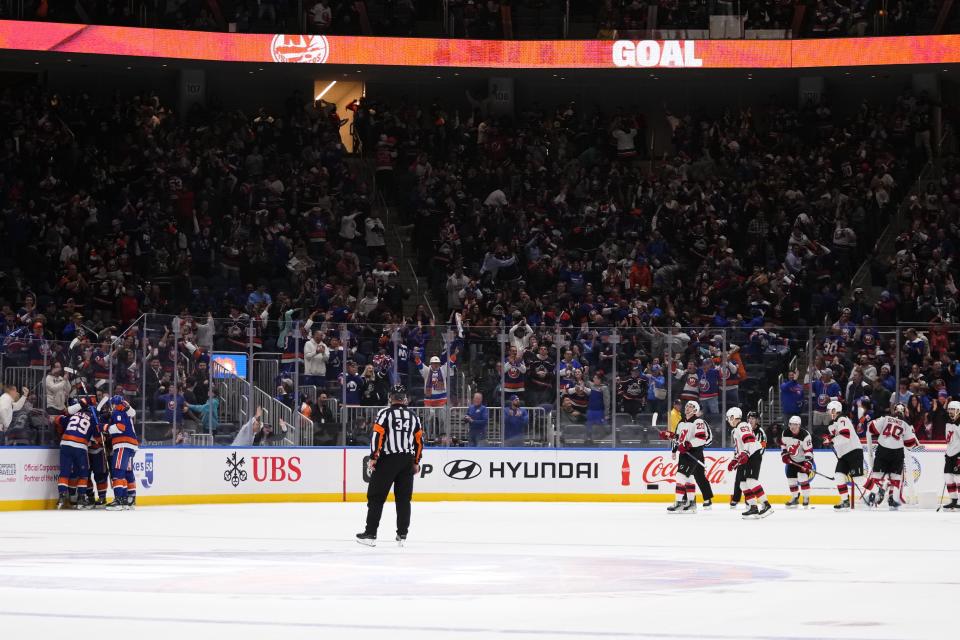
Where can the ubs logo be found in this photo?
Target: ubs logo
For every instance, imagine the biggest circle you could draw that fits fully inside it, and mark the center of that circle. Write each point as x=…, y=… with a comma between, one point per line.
x=300, y=48
x=462, y=469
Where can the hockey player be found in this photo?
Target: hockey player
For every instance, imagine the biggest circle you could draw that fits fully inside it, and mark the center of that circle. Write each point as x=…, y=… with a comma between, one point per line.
x=893, y=434
x=124, y=444
x=753, y=419
x=796, y=451
x=78, y=431
x=846, y=445
x=748, y=454
x=97, y=456
x=693, y=434
x=951, y=463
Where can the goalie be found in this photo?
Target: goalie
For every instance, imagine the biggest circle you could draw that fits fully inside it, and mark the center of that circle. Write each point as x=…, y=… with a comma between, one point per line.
x=893, y=434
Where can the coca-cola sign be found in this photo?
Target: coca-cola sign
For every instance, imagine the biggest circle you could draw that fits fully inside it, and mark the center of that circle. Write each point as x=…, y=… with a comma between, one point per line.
x=659, y=469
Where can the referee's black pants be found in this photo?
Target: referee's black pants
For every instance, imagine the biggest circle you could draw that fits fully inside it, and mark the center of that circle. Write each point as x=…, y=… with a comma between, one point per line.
x=392, y=470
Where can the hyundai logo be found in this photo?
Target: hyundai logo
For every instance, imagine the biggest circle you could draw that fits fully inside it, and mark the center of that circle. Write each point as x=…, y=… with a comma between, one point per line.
x=462, y=469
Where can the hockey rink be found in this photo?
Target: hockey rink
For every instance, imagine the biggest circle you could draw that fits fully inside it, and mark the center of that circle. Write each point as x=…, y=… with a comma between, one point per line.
x=479, y=570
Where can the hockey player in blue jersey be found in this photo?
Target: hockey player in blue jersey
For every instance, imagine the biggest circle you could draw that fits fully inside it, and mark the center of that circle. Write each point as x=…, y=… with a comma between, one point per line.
x=78, y=430
x=97, y=456
x=124, y=444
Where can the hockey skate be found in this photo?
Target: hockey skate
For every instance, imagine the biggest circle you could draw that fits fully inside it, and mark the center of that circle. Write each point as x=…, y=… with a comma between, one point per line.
x=131, y=503
x=765, y=510
x=401, y=540
x=63, y=502
x=707, y=505
x=806, y=503
x=871, y=499
x=794, y=503
x=676, y=507
x=367, y=539
x=844, y=504
x=892, y=503
x=116, y=505
x=952, y=505
x=85, y=503
x=734, y=505
x=689, y=507
x=100, y=503
x=751, y=513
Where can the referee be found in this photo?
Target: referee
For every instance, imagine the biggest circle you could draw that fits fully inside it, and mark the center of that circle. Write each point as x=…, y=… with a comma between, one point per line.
x=395, y=451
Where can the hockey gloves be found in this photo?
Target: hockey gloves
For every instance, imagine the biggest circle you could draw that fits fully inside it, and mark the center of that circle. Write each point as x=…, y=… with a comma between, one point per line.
x=741, y=459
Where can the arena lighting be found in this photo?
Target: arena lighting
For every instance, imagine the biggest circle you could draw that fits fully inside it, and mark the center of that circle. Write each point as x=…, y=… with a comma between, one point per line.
x=360, y=51
x=324, y=92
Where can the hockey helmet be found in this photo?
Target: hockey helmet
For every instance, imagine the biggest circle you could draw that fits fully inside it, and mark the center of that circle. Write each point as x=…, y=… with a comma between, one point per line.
x=795, y=420
x=899, y=409
x=117, y=401
x=734, y=413
x=953, y=409
x=834, y=408
x=754, y=415
x=692, y=404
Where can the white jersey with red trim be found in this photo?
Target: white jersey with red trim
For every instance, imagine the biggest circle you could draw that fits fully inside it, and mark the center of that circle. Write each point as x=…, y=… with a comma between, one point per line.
x=893, y=433
x=798, y=446
x=745, y=440
x=844, y=436
x=696, y=433
x=953, y=439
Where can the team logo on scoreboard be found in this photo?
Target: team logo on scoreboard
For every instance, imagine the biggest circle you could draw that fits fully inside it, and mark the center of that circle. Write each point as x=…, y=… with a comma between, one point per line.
x=300, y=48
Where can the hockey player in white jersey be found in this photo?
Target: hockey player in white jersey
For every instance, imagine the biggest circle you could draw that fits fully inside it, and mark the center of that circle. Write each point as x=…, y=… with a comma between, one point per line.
x=951, y=463
x=796, y=451
x=846, y=444
x=692, y=435
x=749, y=455
x=892, y=433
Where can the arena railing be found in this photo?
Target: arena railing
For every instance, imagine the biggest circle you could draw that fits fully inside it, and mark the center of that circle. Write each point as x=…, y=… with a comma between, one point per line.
x=614, y=386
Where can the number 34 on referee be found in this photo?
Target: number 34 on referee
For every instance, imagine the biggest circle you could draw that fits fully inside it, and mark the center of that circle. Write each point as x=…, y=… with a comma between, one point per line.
x=395, y=451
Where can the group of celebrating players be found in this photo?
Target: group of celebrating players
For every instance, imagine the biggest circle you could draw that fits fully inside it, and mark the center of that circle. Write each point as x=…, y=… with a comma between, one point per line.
x=884, y=482
x=97, y=439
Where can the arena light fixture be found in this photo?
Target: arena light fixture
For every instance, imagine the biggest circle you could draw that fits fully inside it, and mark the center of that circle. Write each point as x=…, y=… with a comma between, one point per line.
x=325, y=90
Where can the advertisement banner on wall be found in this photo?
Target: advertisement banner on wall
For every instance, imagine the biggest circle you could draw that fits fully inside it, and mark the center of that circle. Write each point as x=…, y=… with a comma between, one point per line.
x=28, y=474
x=571, y=474
x=491, y=54
x=168, y=475
x=233, y=473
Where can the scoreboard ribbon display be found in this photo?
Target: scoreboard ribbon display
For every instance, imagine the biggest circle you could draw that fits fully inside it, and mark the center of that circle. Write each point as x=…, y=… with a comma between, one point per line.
x=506, y=54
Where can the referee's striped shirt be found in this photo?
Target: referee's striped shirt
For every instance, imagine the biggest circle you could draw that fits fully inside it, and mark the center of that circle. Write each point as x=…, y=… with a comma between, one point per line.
x=397, y=430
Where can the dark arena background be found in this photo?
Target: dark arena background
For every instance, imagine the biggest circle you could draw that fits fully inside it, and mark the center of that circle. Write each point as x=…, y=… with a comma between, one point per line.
x=570, y=269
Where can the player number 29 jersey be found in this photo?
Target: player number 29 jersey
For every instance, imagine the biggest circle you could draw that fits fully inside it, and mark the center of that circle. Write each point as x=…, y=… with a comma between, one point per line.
x=78, y=431
x=745, y=440
x=893, y=433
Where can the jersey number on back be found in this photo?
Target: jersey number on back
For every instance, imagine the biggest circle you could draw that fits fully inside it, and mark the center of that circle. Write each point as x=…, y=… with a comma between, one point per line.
x=894, y=432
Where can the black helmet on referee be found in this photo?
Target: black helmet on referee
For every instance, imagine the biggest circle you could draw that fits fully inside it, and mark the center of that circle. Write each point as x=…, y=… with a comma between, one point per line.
x=398, y=394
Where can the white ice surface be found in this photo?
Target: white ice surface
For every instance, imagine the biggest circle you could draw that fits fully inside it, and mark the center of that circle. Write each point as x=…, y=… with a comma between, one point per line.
x=478, y=570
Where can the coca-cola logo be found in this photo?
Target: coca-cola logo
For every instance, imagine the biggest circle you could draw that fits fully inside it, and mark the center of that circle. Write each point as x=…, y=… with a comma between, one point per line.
x=660, y=470
x=300, y=48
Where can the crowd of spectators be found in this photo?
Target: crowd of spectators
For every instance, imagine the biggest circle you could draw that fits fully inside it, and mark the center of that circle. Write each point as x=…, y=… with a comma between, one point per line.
x=548, y=227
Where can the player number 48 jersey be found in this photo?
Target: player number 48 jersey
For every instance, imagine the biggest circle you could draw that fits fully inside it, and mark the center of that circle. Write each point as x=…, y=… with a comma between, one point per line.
x=893, y=433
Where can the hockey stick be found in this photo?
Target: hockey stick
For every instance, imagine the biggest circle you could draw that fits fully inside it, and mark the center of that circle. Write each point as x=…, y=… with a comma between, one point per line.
x=943, y=492
x=813, y=471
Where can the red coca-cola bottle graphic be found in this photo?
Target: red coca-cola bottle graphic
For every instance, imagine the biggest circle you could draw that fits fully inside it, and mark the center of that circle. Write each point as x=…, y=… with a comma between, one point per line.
x=625, y=471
